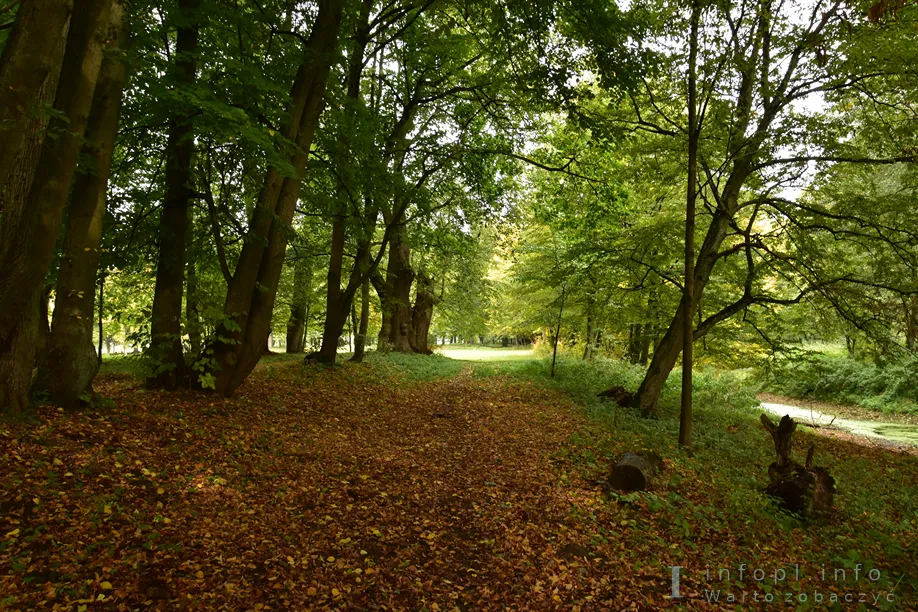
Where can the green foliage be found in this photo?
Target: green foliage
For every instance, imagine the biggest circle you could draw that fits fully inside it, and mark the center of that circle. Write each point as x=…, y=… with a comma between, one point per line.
x=888, y=387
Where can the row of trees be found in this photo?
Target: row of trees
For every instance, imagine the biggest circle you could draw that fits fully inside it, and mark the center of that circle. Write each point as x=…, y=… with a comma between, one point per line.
x=182, y=146
x=205, y=174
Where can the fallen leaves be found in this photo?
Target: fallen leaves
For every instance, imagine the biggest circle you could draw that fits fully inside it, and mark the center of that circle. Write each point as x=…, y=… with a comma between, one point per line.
x=345, y=492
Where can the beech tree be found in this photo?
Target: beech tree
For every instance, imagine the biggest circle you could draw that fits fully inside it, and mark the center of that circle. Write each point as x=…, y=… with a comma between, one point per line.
x=30, y=225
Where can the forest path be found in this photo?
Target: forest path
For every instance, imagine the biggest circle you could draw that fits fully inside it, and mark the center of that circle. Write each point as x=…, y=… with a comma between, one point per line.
x=312, y=488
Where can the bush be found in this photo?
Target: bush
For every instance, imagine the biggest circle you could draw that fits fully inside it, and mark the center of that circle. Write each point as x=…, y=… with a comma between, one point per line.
x=890, y=388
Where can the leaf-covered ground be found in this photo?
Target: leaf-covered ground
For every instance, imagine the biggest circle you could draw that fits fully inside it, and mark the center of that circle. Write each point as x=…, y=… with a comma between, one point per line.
x=360, y=488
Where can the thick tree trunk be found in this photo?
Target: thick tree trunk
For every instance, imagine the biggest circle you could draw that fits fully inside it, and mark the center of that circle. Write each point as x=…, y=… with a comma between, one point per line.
x=384, y=292
x=166, y=318
x=400, y=276
x=361, y=342
x=29, y=240
x=422, y=314
x=16, y=361
x=302, y=287
x=68, y=363
x=336, y=310
x=30, y=231
x=29, y=70
x=262, y=255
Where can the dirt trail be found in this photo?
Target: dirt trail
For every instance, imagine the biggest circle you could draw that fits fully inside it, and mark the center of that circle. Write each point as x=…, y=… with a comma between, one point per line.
x=342, y=492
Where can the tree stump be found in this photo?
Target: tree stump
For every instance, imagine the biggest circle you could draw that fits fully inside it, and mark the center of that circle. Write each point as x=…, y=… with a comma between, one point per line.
x=620, y=395
x=635, y=471
x=804, y=489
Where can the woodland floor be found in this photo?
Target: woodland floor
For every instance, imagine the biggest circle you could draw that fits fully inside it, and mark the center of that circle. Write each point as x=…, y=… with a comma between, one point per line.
x=362, y=488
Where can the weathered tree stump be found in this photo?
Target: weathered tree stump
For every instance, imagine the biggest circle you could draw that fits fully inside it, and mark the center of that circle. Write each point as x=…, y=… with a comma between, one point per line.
x=620, y=395
x=635, y=471
x=804, y=489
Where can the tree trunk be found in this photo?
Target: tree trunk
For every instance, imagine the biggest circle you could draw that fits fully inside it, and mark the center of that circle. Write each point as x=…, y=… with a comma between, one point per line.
x=667, y=351
x=16, y=361
x=806, y=489
x=192, y=309
x=361, y=342
x=29, y=70
x=101, y=313
x=302, y=287
x=646, y=338
x=166, y=318
x=30, y=239
x=384, y=292
x=30, y=231
x=635, y=472
x=911, y=323
x=422, y=314
x=67, y=365
x=335, y=310
x=554, y=353
x=338, y=303
x=636, y=334
x=263, y=253
x=588, y=345
x=685, y=408
x=400, y=276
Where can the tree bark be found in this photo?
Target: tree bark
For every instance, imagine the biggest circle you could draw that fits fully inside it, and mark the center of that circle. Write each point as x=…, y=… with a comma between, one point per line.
x=192, y=309
x=685, y=409
x=166, y=318
x=338, y=303
x=554, y=352
x=68, y=364
x=805, y=489
x=911, y=323
x=29, y=70
x=30, y=233
x=302, y=287
x=400, y=277
x=667, y=351
x=263, y=253
x=422, y=314
x=361, y=341
x=588, y=344
x=384, y=292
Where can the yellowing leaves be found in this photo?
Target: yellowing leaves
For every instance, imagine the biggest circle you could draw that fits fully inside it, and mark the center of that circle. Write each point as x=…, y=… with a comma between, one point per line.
x=106, y=585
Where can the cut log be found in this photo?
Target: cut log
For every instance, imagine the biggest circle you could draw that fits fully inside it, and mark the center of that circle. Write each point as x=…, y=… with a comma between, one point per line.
x=635, y=471
x=620, y=395
x=804, y=489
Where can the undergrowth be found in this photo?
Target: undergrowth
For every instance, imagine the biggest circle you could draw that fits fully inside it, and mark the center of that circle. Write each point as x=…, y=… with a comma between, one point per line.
x=890, y=387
